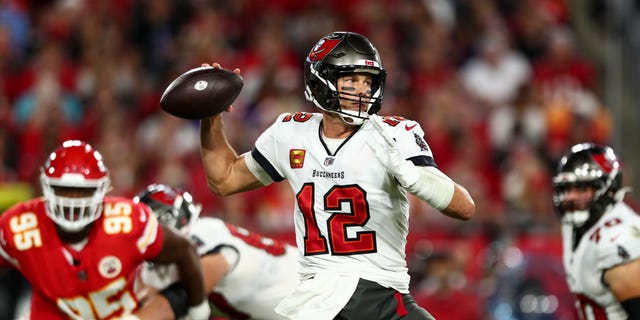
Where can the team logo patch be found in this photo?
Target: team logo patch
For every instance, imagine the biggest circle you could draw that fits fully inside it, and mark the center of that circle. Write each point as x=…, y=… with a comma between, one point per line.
x=622, y=253
x=420, y=142
x=635, y=232
x=109, y=267
x=296, y=158
x=602, y=161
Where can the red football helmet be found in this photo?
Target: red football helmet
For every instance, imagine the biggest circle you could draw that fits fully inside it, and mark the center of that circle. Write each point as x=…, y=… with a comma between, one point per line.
x=172, y=206
x=75, y=164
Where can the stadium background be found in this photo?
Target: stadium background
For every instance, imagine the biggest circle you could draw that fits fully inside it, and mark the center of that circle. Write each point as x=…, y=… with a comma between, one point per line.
x=500, y=87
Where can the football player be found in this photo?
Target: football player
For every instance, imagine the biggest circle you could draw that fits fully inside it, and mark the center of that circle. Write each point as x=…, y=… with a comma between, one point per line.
x=601, y=234
x=350, y=170
x=79, y=249
x=245, y=275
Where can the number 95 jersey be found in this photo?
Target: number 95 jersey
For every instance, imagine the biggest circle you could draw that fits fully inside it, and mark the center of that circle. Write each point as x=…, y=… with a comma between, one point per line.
x=94, y=282
x=351, y=215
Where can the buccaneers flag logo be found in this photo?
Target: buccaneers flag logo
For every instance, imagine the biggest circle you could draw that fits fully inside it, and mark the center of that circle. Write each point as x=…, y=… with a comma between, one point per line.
x=322, y=49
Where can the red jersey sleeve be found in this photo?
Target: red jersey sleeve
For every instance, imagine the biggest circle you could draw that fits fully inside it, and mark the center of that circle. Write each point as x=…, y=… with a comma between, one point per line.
x=151, y=239
x=147, y=231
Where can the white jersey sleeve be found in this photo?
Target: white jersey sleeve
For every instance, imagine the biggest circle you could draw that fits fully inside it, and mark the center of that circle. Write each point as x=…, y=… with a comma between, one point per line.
x=613, y=240
x=620, y=241
x=264, y=273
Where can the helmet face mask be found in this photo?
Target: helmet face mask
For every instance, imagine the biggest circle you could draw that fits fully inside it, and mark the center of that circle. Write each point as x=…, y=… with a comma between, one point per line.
x=335, y=55
x=585, y=186
x=171, y=206
x=74, y=183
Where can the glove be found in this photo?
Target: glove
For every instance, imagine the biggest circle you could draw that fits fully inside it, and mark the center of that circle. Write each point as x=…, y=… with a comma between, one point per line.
x=388, y=152
x=199, y=312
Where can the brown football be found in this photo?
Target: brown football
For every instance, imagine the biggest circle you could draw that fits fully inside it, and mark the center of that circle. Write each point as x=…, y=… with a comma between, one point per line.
x=201, y=92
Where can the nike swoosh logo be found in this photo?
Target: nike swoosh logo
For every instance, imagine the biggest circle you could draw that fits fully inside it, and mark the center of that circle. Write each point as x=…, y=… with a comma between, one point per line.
x=409, y=127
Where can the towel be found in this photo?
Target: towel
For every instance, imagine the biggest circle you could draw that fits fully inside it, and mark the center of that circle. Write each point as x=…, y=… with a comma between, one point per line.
x=319, y=298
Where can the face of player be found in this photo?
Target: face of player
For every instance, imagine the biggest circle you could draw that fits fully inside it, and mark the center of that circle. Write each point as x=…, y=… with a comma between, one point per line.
x=578, y=197
x=354, y=90
x=75, y=193
x=73, y=213
x=72, y=192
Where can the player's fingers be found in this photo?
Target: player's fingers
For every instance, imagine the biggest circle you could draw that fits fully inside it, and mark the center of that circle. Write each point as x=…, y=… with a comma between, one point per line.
x=236, y=71
x=376, y=121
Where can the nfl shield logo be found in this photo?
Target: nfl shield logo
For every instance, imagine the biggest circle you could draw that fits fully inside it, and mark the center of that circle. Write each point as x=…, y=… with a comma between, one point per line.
x=328, y=161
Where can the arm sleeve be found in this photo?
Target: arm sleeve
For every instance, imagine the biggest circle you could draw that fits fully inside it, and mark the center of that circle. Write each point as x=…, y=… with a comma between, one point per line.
x=632, y=307
x=257, y=170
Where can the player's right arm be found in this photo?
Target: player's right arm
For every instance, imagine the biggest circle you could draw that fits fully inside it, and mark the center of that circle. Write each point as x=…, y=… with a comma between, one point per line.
x=624, y=282
x=227, y=173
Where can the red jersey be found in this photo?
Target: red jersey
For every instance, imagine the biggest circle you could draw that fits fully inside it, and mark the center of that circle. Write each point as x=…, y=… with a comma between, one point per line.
x=93, y=283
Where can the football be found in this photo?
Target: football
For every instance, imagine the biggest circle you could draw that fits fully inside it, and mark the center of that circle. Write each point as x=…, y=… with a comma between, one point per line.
x=201, y=92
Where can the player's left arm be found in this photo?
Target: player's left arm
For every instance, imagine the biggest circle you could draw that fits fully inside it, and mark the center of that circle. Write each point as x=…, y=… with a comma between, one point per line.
x=423, y=180
x=624, y=282
x=179, y=250
x=156, y=307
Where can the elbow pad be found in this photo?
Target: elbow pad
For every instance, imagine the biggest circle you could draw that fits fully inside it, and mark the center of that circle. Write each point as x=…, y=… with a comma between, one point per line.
x=433, y=187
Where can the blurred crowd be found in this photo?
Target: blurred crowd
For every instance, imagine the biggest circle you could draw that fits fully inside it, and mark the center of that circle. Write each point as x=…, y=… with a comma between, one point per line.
x=499, y=86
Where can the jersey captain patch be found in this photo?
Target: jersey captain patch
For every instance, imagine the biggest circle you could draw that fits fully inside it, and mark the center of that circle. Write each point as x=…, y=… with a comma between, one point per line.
x=296, y=158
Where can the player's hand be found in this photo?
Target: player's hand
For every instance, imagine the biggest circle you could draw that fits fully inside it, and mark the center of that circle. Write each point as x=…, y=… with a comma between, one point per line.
x=388, y=152
x=217, y=65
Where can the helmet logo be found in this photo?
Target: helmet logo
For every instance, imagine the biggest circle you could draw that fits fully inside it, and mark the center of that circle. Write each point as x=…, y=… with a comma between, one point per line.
x=600, y=159
x=323, y=48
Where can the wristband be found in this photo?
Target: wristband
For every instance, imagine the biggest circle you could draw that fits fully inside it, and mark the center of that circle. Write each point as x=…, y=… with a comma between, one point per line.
x=176, y=295
x=200, y=312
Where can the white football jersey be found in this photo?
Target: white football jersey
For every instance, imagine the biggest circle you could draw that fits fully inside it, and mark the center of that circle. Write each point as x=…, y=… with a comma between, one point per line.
x=613, y=240
x=264, y=272
x=351, y=215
